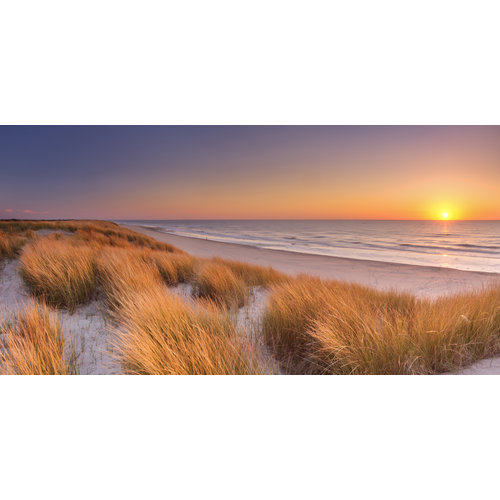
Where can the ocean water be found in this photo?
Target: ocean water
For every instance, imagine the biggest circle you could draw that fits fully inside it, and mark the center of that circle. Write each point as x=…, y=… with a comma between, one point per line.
x=466, y=245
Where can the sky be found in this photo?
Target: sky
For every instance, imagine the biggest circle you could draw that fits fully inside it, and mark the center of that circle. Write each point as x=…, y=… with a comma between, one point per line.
x=250, y=172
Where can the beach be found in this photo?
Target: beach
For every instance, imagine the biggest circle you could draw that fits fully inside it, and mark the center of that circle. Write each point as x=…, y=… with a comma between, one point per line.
x=423, y=281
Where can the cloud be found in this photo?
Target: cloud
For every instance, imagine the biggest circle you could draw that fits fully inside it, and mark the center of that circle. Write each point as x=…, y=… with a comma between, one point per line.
x=27, y=211
x=9, y=210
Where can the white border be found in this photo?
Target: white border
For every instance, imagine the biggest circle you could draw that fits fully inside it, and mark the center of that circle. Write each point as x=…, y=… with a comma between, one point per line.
x=259, y=62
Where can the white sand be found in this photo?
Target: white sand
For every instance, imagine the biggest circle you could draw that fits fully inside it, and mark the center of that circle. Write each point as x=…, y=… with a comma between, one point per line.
x=430, y=282
x=249, y=321
x=490, y=366
x=86, y=330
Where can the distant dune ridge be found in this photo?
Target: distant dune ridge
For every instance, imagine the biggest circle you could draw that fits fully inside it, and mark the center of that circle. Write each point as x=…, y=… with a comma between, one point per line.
x=96, y=297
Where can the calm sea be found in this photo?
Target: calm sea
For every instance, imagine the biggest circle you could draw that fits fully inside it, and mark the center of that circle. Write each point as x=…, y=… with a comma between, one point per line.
x=467, y=245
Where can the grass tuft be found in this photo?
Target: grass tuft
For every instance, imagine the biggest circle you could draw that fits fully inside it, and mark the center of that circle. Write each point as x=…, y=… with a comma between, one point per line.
x=331, y=327
x=10, y=245
x=160, y=334
x=252, y=275
x=59, y=272
x=33, y=344
x=215, y=281
x=174, y=268
x=121, y=270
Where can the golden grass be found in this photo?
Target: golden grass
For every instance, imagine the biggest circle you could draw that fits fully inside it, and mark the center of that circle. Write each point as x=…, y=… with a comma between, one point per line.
x=122, y=270
x=160, y=334
x=330, y=327
x=215, y=281
x=19, y=226
x=33, y=344
x=174, y=268
x=59, y=272
x=97, y=232
x=30, y=234
x=252, y=275
x=122, y=238
x=291, y=309
x=10, y=245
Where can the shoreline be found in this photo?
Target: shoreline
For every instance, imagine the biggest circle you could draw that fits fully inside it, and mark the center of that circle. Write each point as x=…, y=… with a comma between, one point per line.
x=423, y=281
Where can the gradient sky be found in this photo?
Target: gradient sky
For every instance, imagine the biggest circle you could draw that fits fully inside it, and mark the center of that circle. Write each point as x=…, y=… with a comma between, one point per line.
x=170, y=172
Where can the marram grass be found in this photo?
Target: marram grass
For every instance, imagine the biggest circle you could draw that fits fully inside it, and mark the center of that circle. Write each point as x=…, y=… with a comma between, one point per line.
x=59, y=272
x=33, y=344
x=159, y=334
x=335, y=328
x=10, y=245
x=217, y=282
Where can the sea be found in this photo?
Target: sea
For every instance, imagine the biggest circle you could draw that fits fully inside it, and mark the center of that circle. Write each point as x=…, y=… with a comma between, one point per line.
x=466, y=245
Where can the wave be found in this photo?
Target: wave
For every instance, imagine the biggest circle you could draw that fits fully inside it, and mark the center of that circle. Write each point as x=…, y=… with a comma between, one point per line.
x=312, y=242
x=467, y=245
x=453, y=248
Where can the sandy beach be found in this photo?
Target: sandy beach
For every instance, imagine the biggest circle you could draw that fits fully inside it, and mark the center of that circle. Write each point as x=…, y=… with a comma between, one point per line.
x=423, y=281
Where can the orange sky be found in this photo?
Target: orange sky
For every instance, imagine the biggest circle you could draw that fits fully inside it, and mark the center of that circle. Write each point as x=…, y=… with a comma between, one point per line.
x=251, y=172
x=392, y=183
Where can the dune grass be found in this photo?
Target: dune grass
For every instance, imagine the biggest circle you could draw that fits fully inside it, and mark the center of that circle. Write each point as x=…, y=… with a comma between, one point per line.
x=62, y=270
x=94, y=231
x=290, y=312
x=122, y=270
x=215, y=281
x=33, y=344
x=122, y=238
x=330, y=327
x=252, y=275
x=174, y=268
x=59, y=272
x=160, y=334
x=10, y=245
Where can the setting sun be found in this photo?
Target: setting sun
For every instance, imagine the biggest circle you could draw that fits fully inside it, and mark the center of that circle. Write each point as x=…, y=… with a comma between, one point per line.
x=445, y=215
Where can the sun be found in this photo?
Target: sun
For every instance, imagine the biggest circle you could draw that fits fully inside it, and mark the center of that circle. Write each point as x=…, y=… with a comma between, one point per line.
x=445, y=215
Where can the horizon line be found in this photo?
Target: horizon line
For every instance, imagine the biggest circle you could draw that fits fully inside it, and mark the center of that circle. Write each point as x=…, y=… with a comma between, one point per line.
x=248, y=219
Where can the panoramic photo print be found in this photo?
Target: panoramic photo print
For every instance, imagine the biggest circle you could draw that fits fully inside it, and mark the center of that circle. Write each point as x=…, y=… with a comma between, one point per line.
x=249, y=250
